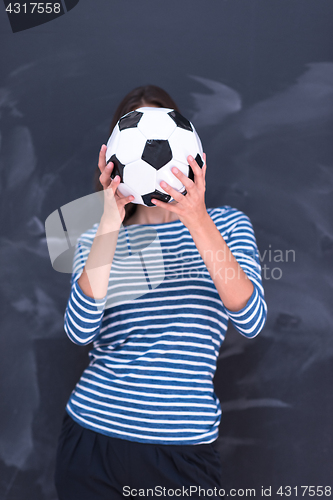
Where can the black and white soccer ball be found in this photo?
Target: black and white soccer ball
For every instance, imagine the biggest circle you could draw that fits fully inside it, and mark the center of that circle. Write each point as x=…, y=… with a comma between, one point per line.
x=144, y=146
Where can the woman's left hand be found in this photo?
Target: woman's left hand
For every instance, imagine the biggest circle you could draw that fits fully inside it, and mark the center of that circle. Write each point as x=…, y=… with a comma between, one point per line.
x=191, y=208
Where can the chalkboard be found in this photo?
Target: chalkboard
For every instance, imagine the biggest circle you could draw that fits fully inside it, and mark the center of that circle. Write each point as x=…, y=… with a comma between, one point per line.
x=256, y=79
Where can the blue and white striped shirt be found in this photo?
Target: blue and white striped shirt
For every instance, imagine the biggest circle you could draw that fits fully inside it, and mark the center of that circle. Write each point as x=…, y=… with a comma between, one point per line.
x=157, y=333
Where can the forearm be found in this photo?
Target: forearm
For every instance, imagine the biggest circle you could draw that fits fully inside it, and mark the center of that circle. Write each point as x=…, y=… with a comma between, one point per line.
x=231, y=282
x=94, y=279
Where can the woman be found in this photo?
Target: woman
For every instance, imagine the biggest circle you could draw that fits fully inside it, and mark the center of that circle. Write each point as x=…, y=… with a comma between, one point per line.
x=143, y=419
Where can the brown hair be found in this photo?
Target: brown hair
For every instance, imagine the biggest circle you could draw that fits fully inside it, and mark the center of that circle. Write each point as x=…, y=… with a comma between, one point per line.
x=140, y=96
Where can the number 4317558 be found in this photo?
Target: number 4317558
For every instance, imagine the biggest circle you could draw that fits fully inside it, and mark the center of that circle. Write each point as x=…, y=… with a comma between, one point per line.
x=33, y=8
x=303, y=491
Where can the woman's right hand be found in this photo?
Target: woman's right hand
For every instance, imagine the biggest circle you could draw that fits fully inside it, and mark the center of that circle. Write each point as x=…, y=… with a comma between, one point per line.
x=114, y=201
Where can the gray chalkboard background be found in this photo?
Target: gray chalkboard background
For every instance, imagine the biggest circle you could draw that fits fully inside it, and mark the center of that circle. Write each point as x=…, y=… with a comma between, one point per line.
x=256, y=79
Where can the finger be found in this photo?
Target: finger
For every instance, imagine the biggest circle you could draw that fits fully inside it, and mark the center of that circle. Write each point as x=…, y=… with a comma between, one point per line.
x=204, y=168
x=102, y=158
x=105, y=177
x=124, y=199
x=198, y=174
x=127, y=199
x=188, y=183
x=172, y=192
x=114, y=183
x=167, y=206
x=120, y=195
x=111, y=184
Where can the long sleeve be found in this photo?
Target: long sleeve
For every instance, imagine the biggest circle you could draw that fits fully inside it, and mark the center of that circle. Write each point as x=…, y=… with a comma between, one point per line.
x=83, y=315
x=249, y=320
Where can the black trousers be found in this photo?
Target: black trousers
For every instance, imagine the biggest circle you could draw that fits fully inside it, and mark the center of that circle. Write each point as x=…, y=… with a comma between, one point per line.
x=92, y=466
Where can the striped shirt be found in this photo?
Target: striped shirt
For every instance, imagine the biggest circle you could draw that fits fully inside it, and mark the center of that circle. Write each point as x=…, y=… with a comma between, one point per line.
x=157, y=333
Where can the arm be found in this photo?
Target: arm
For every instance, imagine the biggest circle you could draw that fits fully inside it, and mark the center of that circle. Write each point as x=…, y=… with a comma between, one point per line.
x=235, y=270
x=91, y=271
x=93, y=261
x=229, y=268
x=95, y=276
x=229, y=278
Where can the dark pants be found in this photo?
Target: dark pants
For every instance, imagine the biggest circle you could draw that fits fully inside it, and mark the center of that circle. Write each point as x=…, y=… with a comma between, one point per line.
x=92, y=466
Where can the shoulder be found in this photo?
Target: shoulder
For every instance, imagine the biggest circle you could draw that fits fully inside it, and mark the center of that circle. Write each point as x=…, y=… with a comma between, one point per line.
x=227, y=217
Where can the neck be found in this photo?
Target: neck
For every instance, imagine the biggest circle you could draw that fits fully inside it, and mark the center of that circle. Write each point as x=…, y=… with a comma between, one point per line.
x=154, y=215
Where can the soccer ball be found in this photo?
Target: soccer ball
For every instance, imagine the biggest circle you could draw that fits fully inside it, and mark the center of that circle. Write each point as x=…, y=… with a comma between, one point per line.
x=144, y=146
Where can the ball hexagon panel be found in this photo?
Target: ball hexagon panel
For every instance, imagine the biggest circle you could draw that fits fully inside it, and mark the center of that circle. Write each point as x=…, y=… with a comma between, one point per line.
x=137, y=141
x=183, y=143
x=197, y=138
x=130, y=120
x=156, y=125
x=149, y=109
x=140, y=176
x=157, y=153
x=126, y=191
x=166, y=175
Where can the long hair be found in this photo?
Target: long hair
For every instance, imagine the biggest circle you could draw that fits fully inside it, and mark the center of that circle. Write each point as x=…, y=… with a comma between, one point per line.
x=139, y=97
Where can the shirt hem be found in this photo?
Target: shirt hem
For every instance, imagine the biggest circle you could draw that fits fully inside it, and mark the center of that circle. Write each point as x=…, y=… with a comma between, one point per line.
x=85, y=425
